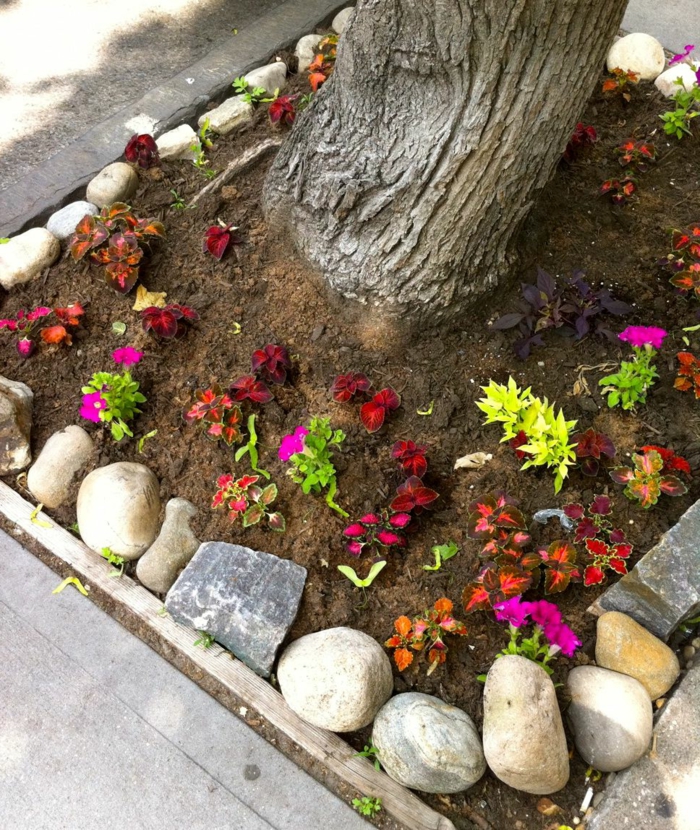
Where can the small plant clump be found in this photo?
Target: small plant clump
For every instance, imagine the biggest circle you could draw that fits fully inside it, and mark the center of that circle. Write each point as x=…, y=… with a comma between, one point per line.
x=619, y=190
x=688, y=373
x=425, y=633
x=217, y=415
x=247, y=501
x=621, y=82
x=24, y=322
x=252, y=94
x=591, y=448
x=373, y=413
x=630, y=384
x=113, y=398
x=684, y=260
x=283, y=110
x=583, y=136
x=376, y=530
x=113, y=239
x=677, y=121
x=366, y=806
x=636, y=155
x=648, y=478
x=411, y=458
x=606, y=546
x=323, y=64
x=346, y=387
x=142, y=150
x=169, y=322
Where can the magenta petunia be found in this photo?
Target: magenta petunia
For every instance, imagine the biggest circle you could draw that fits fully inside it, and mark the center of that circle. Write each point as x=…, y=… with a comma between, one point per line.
x=563, y=637
x=127, y=356
x=513, y=611
x=25, y=347
x=292, y=444
x=93, y=404
x=544, y=613
x=640, y=336
x=683, y=55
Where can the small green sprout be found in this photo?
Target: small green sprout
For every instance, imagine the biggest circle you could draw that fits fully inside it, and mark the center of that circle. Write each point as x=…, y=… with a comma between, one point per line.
x=367, y=806
x=142, y=440
x=251, y=449
x=205, y=640
x=113, y=559
x=442, y=554
x=374, y=571
x=371, y=753
x=118, y=327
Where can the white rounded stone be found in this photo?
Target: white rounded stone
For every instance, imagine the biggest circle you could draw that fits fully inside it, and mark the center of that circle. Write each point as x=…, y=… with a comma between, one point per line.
x=667, y=84
x=305, y=51
x=340, y=21
x=271, y=77
x=638, y=53
x=524, y=740
x=118, y=508
x=159, y=567
x=116, y=183
x=26, y=255
x=336, y=679
x=428, y=745
x=610, y=715
x=177, y=144
x=62, y=223
x=233, y=113
x=62, y=456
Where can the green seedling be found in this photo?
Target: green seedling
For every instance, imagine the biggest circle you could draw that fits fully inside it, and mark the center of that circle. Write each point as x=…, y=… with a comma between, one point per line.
x=677, y=122
x=205, y=640
x=442, y=554
x=371, y=753
x=142, y=440
x=251, y=449
x=252, y=95
x=74, y=528
x=367, y=806
x=118, y=327
x=162, y=612
x=205, y=134
x=374, y=571
x=113, y=559
x=180, y=203
x=428, y=411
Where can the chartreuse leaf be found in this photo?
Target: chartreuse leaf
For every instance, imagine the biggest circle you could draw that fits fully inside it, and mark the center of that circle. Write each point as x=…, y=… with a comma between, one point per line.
x=251, y=449
x=442, y=554
x=374, y=571
x=35, y=521
x=72, y=580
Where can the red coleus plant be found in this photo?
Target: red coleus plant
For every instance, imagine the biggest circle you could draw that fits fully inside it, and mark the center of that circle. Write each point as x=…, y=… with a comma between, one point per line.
x=688, y=281
x=374, y=412
x=321, y=68
x=246, y=501
x=620, y=82
x=646, y=481
x=604, y=557
x=672, y=463
x=218, y=416
x=382, y=529
x=24, y=322
x=591, y=521
x=688, y=373
x=684, y=259
x=636, y=154
x=248, y=387
x=591, y=447
x=619, y=190
x=425, y=633
x=346, y=387
x=581, y=137
x=495, y=585
x=272, y=362
x=68, y=317
x=412, y=495
x=217, y=239
x=494, y=520
x=411, y=457
x=283, y=110
x=121, y=258
x=142, y=150
x=168, y=322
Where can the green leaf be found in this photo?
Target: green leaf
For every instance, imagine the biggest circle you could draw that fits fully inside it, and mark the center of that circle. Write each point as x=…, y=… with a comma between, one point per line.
x=142, y=440
x=118, y=327
x=269, y=494
x=368, y=580
x=72, y=580
x=253, y=515
x=428, y=411
x=4, y=240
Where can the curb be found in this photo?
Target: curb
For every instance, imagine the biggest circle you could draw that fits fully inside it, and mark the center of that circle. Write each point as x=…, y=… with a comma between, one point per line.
x=179, y=100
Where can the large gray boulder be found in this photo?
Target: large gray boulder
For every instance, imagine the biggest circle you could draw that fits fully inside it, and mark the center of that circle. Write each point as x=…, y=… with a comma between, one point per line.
x=524, y=740
x=337, y=679
x=159, y=567
x=26, y=255
x=428, y=745
x=610, y=716
x=246, y=599
x=118, y=508
x=16, y=402
x=62, y=456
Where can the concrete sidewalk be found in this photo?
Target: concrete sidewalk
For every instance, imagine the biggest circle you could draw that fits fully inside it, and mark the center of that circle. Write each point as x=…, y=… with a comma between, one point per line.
x=673, y=22
x=98, y=731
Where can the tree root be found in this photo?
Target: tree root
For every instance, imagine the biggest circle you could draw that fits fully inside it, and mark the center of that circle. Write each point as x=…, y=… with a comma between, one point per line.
x=247, y=159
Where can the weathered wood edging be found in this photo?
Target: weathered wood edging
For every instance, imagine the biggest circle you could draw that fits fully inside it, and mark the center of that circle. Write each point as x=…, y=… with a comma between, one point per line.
x=326, y=747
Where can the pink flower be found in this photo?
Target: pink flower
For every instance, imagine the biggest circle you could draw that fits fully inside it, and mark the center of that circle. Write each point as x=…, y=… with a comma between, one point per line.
x=127, y=356
x=684, y=54
x=563, y=637
x=292, y=444
x=93, y=404
x=513, y=611
x=25, y=347
x=640, y=336
x=544, y=614
x=40, y=311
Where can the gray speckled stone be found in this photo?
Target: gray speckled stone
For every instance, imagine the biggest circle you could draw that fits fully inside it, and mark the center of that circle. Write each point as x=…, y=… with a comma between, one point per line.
x=62, y=223
x=158, y=568
x=16, y=402
x=428, y=745
x=663, y=588
x=246, y=599
x=610, y=716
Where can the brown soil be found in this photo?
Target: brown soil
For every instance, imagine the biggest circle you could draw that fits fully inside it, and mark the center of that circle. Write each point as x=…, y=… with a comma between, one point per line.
x=266, y=289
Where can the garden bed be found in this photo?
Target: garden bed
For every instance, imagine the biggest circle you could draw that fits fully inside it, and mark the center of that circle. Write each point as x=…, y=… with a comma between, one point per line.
x=263, y=288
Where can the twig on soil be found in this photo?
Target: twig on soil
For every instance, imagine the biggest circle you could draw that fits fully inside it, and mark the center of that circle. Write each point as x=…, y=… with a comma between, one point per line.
x=648, y=426
x=476, y=818
x=247, y=159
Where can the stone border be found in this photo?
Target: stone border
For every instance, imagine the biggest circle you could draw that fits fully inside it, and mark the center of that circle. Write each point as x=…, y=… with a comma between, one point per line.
x=61, y=178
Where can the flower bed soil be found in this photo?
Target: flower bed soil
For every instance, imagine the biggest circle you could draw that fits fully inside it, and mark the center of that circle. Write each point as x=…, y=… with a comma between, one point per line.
x=265, y=288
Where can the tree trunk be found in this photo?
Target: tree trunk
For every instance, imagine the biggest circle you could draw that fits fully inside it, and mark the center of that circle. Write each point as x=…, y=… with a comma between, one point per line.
x=407, y=178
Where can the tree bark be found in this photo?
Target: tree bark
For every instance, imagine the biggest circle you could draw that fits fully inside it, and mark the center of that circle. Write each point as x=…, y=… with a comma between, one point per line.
x=409, y=175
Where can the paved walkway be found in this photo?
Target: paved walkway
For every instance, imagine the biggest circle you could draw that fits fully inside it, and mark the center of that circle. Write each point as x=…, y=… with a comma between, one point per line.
x=673, y=22
x=98, y=732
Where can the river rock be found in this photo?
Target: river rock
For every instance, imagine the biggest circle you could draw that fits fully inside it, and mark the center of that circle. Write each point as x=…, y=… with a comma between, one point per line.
x=638, y=53
x=230, y=115
x=666, y=82
x=305, y=51
x=246, y=599
x=428, y=745
x=271, y=77
x=340, y=21
x=158, y=568
x=118, y=508
x=663, y=588
x=62, y=456
x=177, y=144
x=115, y=183
x=336, y=679
x=625, y=646
x=524, y=741
x=26, y=255
x=62, y=223
x=16, y=402
x=610, y=716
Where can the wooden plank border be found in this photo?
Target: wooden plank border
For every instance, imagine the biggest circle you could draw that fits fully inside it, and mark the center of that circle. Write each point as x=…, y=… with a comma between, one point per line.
x=235, y=676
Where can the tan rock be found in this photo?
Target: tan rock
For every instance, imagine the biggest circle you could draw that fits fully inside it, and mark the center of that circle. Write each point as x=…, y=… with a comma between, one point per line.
x=625, y=646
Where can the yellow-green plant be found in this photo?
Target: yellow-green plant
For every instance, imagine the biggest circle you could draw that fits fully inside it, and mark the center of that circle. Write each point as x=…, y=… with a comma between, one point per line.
x=548, y=433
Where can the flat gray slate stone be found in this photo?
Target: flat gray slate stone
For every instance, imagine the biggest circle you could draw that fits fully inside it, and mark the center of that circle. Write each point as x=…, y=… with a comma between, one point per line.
x=247, y=600
x=663, y=588
x=660, y=791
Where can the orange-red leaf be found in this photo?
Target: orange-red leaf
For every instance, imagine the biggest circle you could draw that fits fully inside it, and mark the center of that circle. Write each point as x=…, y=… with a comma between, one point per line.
x=444, y=605
x=56, y=334
x=403, y=626
x=316, y=79
x=403, y=658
